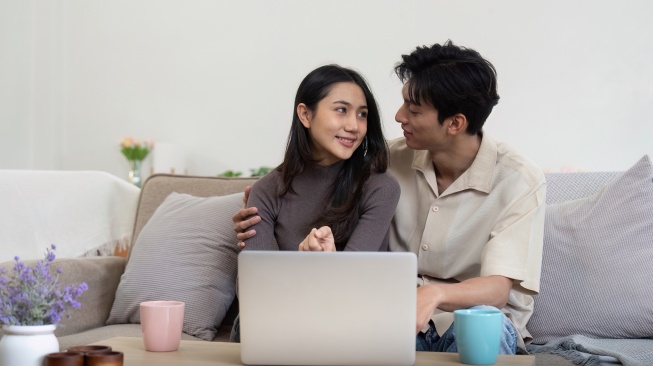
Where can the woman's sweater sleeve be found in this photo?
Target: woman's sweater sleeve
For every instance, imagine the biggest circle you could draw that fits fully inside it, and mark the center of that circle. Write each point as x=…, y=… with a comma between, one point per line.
x=263, y=196
x=379, y=200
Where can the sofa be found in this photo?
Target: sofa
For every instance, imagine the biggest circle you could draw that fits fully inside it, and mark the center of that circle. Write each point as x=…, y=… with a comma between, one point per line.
x=572, y=200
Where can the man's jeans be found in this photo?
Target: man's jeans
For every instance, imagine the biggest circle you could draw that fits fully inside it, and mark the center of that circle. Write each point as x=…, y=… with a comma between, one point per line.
x=432, y=342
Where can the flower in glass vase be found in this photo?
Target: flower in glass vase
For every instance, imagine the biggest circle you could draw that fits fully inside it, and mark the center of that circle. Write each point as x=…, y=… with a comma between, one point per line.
x=135, y=151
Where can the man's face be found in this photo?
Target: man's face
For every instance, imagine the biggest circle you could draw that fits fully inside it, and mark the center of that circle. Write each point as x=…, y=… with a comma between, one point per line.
x=420, y=124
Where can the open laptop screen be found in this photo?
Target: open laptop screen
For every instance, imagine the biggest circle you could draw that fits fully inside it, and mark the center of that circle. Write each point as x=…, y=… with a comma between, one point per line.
x=344, y=308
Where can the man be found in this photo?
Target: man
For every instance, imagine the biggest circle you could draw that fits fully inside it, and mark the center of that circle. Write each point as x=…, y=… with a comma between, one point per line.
x=471, y=208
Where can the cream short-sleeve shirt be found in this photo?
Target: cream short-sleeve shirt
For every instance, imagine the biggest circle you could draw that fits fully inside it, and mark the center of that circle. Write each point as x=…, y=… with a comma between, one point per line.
x=489, y=221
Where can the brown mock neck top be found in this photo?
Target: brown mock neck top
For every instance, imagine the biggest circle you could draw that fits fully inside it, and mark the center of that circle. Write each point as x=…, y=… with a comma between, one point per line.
x=290, y=218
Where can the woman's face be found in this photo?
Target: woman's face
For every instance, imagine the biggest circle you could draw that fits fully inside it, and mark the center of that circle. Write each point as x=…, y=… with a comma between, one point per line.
x=338, y=125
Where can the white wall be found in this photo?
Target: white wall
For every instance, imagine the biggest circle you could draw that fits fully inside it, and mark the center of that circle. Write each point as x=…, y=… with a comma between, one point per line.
x=217, y=78
x=15, y=81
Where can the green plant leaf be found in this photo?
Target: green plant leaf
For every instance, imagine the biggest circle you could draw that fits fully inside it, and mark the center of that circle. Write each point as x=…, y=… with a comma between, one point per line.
x=230, y=174
x=261, y=171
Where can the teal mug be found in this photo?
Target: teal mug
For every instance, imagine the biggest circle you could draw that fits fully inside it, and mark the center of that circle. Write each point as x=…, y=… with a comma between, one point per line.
x=478, y=335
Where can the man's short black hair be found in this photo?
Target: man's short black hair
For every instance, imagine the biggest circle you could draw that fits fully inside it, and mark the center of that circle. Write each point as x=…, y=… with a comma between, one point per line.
x=453, y=80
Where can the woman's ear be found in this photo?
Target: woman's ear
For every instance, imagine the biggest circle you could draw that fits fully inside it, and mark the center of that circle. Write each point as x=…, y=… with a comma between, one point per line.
x=304, y=115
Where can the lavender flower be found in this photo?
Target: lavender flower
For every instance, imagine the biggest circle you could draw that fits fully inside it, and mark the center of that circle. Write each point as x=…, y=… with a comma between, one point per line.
x=32, y=296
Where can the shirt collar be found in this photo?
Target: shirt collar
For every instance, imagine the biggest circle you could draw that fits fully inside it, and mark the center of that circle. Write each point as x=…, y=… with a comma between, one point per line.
x=478, y=176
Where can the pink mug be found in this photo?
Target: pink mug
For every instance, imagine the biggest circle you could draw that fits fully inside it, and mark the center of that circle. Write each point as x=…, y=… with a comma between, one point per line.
x=161, y=324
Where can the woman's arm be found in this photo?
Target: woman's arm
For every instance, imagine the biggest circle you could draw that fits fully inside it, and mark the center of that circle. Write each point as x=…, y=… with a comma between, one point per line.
x=263, y=196
x=379, y=200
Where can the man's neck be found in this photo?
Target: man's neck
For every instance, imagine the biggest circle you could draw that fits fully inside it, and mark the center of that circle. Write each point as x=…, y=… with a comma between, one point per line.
x=451, y=163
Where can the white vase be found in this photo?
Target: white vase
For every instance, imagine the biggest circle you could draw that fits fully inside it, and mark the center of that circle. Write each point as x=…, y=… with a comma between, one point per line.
x=27, y=345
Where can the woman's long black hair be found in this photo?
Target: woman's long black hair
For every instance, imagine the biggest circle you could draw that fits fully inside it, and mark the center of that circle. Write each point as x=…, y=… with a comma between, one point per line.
x=341, y=204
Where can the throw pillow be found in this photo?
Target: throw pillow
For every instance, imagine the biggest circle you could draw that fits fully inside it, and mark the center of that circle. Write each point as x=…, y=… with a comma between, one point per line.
x=186, y=252
x=596, y=268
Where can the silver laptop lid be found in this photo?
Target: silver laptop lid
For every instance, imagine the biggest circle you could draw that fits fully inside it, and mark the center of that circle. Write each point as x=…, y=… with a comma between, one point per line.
x=345, y=308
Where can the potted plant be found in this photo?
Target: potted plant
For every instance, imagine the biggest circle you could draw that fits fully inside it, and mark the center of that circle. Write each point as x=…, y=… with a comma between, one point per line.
x=32, y=303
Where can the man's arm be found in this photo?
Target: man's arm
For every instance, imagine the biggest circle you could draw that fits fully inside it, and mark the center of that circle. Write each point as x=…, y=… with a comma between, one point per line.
x=490, y=290
x=522, y=229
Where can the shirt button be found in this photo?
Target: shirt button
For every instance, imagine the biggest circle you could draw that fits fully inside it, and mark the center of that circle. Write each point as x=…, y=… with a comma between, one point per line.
x=435, y=208
x=425, y=247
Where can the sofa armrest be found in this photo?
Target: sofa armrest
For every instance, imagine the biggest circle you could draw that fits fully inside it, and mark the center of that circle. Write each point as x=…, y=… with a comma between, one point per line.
x=102, y=275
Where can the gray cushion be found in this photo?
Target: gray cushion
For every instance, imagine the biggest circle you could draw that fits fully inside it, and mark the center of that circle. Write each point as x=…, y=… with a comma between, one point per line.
x=185, y=252
x=596, y=270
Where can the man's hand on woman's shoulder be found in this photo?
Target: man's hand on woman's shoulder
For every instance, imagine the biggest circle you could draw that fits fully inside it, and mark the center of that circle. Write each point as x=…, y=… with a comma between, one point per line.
x=242, y=222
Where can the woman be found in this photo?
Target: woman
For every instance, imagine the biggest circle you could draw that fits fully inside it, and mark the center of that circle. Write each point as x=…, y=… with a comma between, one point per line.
x=333, y=175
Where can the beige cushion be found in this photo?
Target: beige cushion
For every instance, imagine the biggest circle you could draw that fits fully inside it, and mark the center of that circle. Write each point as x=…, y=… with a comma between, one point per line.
x=157, y=187
x=185, y=252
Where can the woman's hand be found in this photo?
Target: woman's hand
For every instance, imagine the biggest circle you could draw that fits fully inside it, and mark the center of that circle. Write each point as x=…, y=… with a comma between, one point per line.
x=318, y=240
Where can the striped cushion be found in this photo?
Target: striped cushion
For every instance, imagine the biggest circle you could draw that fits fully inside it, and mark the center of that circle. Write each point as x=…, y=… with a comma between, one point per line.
x=186, y=252
x=597, y=263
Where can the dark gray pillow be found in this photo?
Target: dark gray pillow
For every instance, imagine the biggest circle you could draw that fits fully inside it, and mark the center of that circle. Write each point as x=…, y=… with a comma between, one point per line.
x=186, y=252
x=597, y=268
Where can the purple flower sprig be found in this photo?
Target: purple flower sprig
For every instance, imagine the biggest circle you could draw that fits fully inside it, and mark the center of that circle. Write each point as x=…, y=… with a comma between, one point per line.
x=33, y=296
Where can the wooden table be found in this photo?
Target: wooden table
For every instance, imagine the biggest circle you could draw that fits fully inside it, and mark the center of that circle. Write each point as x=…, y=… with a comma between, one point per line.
x=198, y=353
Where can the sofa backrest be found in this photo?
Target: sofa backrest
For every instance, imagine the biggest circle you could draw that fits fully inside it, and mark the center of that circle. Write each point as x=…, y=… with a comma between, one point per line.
x=563, y=187
x=158, y=186
x=560, y=187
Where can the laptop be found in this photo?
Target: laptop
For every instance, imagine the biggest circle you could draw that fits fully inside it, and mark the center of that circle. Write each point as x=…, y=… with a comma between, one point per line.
x=344, y=308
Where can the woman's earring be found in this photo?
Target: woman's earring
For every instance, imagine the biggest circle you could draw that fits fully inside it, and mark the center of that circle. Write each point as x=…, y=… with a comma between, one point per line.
x=365, y=146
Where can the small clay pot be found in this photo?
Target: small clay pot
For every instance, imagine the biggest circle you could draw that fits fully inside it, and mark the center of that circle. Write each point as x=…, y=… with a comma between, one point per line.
x=64, y=359
x=90, y=349
x=111, y=358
